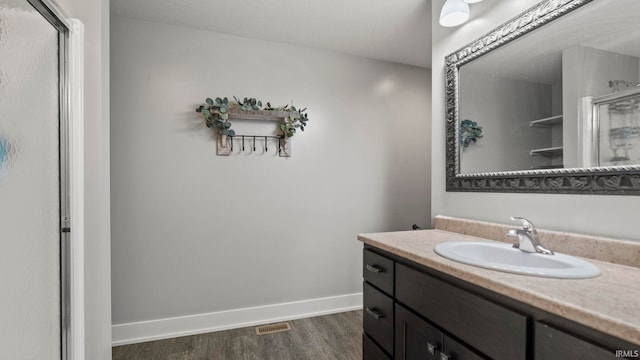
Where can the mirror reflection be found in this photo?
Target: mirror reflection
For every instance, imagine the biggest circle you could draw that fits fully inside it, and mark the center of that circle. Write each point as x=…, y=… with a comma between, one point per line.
x=563, y=96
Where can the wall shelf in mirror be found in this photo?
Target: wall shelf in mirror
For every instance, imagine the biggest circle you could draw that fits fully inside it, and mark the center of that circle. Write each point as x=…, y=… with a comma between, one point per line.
x=547, y=122
x=548, y=152
x=543, y=167
x=556, y=151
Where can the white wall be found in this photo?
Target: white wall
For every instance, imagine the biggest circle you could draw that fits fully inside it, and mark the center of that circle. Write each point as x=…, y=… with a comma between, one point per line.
x=504, y=107
x=591, y=214
x=95, y=16
x=602, y=66
x=195, y=233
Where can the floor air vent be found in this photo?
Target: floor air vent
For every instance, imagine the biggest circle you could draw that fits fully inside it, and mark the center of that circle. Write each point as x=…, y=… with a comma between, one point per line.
x=272, y=328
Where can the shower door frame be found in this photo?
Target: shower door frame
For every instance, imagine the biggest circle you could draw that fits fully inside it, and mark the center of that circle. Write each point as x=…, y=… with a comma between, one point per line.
x=70, y=50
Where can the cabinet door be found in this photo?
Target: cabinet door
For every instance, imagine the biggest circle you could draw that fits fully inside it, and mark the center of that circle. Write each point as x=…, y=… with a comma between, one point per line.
x=453, y=350
x=551, y=344
x=415, y=338
x=493, y=329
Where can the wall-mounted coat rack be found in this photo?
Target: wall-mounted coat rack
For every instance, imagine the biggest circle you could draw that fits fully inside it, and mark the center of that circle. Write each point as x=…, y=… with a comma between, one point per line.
x=218, y=112
x=282, y=146
x=249, y=142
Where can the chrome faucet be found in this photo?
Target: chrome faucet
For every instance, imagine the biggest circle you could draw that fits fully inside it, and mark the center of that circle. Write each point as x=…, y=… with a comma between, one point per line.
x=527, y=237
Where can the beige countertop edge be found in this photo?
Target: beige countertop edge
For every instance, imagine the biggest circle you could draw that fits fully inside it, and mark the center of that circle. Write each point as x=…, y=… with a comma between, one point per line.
x=614, y=310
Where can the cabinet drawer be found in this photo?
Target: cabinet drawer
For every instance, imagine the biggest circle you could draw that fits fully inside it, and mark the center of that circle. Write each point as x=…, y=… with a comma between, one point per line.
x=377, y=318
x=551, y=344
x=490, y=328
x=370, y=351
x=378, y=270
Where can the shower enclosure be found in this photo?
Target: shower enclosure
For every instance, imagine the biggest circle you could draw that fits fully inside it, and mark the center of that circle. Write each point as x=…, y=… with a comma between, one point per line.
x=34, y=191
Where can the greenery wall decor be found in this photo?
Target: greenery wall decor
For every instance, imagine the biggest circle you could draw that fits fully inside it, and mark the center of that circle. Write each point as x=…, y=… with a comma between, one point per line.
x=470, y=132
x=217, y=112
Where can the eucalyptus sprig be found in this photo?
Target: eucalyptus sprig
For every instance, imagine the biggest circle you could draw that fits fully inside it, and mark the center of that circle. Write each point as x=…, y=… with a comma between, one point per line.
x=248, y=104
x=215, y=114
x=292, y=123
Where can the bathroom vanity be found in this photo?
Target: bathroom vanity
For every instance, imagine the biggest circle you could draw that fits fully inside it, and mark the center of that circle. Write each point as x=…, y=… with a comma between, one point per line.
x=419, y=305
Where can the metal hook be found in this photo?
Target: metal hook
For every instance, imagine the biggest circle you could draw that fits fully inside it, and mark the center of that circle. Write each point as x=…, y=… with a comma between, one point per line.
x=265, y=145
x=242, y=142
x=254, y=144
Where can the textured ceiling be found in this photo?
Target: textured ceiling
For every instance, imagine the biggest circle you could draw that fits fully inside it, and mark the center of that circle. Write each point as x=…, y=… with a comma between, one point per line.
x=398, y=31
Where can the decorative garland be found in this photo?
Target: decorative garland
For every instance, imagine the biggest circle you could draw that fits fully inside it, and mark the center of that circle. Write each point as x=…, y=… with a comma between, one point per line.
x=470, y=132
x=216, y=115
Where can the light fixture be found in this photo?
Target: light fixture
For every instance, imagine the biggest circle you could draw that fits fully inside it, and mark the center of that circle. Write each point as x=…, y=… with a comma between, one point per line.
x=454, y=13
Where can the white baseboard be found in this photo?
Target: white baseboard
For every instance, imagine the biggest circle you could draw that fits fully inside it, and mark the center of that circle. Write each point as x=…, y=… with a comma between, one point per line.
x=142, y=331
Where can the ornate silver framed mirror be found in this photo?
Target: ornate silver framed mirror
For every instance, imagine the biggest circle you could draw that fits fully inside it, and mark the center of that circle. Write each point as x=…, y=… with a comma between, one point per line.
x=548, y=102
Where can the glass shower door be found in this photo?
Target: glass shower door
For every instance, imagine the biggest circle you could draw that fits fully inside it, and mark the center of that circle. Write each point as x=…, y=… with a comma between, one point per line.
x=30, y=236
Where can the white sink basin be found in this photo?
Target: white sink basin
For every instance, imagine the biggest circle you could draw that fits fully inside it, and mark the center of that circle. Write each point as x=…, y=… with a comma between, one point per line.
x=504, y=257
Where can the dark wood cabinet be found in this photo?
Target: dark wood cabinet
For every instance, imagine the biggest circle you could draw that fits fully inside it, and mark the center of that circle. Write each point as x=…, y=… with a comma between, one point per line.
x=415, y=312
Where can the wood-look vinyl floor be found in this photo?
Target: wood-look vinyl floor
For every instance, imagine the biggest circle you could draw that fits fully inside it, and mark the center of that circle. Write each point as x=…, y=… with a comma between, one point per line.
x=330, y=337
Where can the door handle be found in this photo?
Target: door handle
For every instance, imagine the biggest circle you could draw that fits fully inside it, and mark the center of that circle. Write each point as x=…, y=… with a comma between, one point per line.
x=432, y=348
x=374, y=269
x=375, y=313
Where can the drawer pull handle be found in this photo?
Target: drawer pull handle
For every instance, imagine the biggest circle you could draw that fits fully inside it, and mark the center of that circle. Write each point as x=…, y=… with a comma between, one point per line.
x=431, y=348
x=374, y=269
x=375, y=313
x=444, y=356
